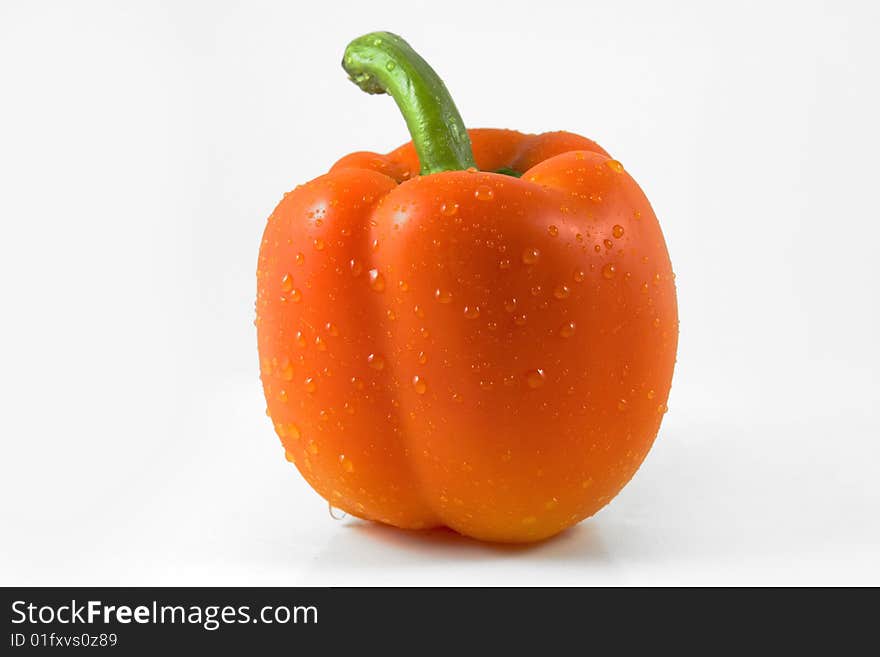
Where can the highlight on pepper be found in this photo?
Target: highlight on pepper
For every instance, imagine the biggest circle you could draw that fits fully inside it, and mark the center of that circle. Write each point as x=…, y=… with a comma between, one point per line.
x=477, y=330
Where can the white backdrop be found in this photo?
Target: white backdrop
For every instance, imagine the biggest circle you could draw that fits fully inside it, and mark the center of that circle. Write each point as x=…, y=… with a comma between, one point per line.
x=142, y=146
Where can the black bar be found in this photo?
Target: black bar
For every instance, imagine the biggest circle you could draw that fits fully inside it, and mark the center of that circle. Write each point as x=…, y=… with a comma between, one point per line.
x=406, y=621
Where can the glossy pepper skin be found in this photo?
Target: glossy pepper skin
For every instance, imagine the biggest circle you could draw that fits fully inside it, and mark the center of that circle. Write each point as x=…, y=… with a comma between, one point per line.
x=467, y=348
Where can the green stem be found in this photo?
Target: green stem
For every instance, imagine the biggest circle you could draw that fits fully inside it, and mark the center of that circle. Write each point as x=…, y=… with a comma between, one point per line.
x=383, y=63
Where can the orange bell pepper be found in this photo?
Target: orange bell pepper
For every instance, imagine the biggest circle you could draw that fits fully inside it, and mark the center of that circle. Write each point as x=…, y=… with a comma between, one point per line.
x=477, y=330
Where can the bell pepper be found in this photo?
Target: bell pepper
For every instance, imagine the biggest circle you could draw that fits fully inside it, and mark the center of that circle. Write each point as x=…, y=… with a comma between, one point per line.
x=477, y=330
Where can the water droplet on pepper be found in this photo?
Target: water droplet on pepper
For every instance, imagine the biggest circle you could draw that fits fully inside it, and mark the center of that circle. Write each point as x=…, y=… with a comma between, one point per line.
x=484, y=193
x=567, y=330
x=531, y=256
x=535, y=378
x=377, y=280
x=443, y=296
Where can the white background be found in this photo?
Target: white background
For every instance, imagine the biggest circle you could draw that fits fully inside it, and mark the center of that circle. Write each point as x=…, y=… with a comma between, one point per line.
x=142, y=146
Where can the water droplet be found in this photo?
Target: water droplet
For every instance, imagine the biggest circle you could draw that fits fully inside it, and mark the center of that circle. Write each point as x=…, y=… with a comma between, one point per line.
x=390, y=66
x=661, y=409
x=535, y=378
x=622, y=405
x=356, y=267
x=567, y=329
x=531, y=256
x=286, y=283
x=310, y=384
x=318, y=244
x=448, y=208
x=419, y=311
x=562, y=291
x=289, y=430
x=651, y=394
x=553, y=230
x=423, y=358
x=282, y=396
x=617, y=231
x=390, y=314
x=419, y=385
x=443, y=296
x=403, y=286
x=579, y=276
x=656, y=322
x=377, y=280
x=300, y=339
x=609, y=270
x=376, y=361
x=346, y=463
x=471, y=312
x=614, y=165
x=299, y=258
x=331, y=329
x=536, y=290
x=520, y=319
x=608, y=244
x=313, y=448
x=510, y=304
x=320, y=344
x=357, y=382
x=595, y=197
x=504, y=263
x=295, y=296
x=484, y=193
x=486, y=384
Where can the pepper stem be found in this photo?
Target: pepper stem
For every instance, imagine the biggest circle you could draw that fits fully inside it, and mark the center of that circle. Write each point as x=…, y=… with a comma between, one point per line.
x=383, y=63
